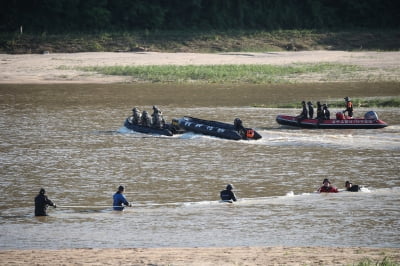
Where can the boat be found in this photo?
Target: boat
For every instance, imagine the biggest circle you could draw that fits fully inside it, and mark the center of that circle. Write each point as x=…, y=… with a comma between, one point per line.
x=369, y=121
x=217, y=129
x=166, y=130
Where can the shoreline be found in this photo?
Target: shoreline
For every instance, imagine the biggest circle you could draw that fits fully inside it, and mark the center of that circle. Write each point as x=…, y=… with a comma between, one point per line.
x=64, y=67
x=203, y=256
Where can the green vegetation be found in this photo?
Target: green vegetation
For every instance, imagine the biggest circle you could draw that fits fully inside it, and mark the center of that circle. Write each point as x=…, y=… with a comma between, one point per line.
x=123, y=15
x=201, y=41
x=253, y=74
x=385, y=262
x=363, y=102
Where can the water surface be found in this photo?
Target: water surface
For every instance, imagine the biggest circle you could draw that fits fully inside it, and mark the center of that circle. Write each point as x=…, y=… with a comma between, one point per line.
x=71, y=141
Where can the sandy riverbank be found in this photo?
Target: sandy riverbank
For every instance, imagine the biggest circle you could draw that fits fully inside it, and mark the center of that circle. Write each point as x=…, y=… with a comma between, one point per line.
x=201, y=256
x=63, y=68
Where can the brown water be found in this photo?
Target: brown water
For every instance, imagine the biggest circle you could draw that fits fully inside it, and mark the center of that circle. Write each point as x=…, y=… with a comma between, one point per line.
x=70, y=140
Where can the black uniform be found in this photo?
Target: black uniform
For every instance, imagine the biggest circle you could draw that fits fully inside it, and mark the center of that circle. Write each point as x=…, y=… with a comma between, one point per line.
x=354, y=188
x=227, y=195
x=41, y=203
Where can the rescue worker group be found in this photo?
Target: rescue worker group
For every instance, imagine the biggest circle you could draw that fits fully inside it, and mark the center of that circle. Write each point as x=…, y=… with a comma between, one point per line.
x=227, y=195
x=323, y=111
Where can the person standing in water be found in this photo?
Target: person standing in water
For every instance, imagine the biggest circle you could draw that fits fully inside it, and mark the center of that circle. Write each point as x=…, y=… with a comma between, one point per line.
x=42, y=202
x=327, y=187
x=352, y=188
x=119, y=200
x=227, y=194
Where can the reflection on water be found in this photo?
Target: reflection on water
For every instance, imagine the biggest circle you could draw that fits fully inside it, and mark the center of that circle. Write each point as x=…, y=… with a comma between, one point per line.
x=72, y=143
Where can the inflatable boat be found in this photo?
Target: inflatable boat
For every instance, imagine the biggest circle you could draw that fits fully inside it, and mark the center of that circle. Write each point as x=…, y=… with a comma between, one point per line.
x=369, y=121
x=217, y=129
x=167, y=130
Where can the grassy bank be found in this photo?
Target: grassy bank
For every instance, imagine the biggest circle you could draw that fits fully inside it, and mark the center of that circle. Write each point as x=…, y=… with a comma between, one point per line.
x=357, y=102
x=254, y=74
x=206, y=42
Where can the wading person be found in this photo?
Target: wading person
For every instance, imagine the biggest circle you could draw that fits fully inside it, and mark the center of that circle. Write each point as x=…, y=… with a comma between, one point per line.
x=119, y=200
x=227, y=194
x=42, y=202
x=327, y=187
x=352, y=188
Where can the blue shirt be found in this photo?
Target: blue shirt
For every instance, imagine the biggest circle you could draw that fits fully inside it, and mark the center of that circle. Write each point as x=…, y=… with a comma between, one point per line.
x=119, y=199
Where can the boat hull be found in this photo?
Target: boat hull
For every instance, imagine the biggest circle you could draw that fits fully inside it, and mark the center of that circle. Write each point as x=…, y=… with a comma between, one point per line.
x=148, y=130
x=355, y=123
x=214, y=128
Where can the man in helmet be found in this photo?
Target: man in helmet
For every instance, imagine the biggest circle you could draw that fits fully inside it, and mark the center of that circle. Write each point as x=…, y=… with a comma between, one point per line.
x=119, y=200
x=158, y=119
x=349, y=107
x=42, y=202
x=320, y=114
x=227, y=195
x=136, y=116
x=146, y=119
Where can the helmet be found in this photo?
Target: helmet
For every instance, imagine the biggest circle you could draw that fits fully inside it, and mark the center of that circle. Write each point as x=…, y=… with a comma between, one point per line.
x=237, y=121
x=303, y=102
x=42, y=191
x=346, y=99
x=309, y=103
x=121, y=188
x=326, y=180
x=229, y=187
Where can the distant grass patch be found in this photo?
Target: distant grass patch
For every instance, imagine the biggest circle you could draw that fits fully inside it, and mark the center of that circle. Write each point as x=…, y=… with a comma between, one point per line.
x=385, y=262
x=250, y=74
x=366, y=102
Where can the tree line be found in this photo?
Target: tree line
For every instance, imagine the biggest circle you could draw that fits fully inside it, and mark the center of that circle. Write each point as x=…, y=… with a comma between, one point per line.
x=62, y=16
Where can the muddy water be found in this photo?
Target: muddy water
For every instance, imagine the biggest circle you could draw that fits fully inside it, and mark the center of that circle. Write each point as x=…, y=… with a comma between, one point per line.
x=70, y=140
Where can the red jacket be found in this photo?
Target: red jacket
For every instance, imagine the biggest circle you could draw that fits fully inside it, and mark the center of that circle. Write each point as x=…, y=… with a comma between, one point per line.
x=328, y=189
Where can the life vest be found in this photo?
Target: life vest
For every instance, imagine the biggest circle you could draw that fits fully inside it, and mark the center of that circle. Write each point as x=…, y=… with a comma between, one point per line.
x=250, y=133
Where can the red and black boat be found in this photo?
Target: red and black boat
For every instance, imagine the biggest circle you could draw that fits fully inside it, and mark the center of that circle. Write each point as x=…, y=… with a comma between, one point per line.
x=369, y=121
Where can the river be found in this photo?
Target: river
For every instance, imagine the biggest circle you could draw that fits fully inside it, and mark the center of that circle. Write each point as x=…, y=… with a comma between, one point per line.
x=70, y=140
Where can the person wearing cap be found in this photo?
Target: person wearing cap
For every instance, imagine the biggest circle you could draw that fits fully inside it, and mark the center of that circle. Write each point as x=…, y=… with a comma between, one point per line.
x=349, y=107
x=327, y=187
x=119, y=200
x=352, y=188
x=320, y=114
x=310, y=110
x=325, y=111
x=227, y=194
x=42, y=202
x=304, y=112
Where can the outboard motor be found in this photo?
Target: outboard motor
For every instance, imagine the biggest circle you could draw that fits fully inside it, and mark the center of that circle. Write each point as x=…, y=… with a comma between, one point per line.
x=371, y=115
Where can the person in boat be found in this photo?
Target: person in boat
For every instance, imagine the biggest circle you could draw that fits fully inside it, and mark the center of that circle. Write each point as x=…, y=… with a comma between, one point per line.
x=325, y=112
x=136, y=116
x=146, y=119
x=119, y=200
x=42, y=202
x=320, y=114
x=352, y=188
x=158, y=120
x=310, y=110
x=349, y=107
x=304, y=112
x=327, y=187
x=227, y=194
x=238, y=124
